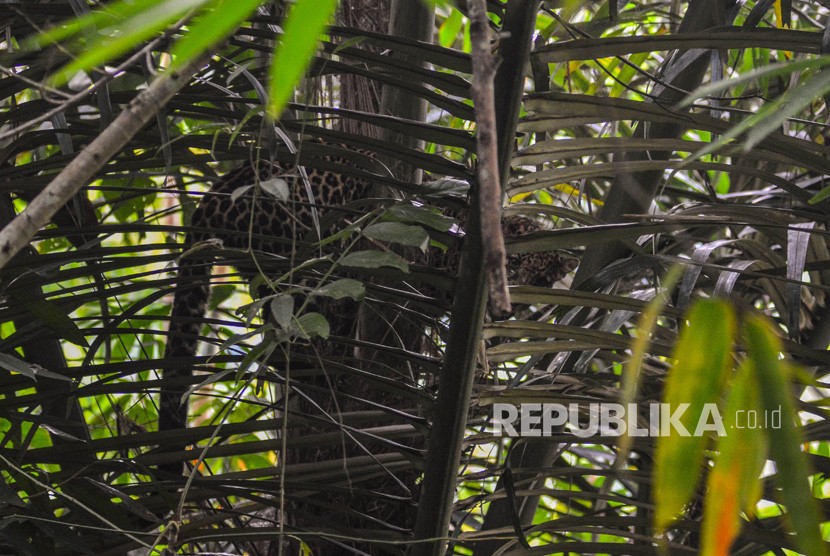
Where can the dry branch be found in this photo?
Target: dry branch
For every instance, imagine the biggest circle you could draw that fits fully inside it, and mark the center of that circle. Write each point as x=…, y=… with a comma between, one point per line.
x=487, y=159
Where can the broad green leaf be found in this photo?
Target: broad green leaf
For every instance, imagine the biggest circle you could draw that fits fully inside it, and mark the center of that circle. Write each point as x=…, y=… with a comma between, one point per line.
x=703, y=356
x=734, y=484
x=58, y=321
x=402, y=234
x=450, y=29
x=282, y=309
x=313, y=325
x=374, y=259
x=437, y=3
x=303, y=26
x=339, y=289
x=772, y=375
x=420, y=215
x=212, y=25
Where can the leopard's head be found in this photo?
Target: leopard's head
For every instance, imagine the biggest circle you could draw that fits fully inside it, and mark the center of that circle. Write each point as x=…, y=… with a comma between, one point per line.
x=542, y=269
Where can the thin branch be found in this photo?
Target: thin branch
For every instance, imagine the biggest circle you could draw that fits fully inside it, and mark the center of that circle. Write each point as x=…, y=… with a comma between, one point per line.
x=487, y=159
x=77, y=98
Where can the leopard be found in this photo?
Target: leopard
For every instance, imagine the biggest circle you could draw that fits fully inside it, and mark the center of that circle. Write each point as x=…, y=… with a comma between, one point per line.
x=255, y=221
x=259, y=221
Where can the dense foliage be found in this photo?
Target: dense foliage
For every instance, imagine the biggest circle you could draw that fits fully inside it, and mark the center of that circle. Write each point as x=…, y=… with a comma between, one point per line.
x=312, y=426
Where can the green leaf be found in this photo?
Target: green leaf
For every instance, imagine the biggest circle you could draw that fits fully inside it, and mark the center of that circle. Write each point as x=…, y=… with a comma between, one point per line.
x=58, y=321
x=111, y=13
x=420, y=215
x=220, y=293
x=639, y=348
x=125, y=35
x=339, y=289
x=793, y=472
x=303, y=26
x=214, y=24
x=450, y=29
x=312, y=325
x=703, y=356
x=374, y=259
x=437, y=3
x=282, y=308
x=734, y=484
x=396, y=232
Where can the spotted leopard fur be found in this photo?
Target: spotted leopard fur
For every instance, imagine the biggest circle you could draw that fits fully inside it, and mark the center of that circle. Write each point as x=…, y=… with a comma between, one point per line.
x=257, y=220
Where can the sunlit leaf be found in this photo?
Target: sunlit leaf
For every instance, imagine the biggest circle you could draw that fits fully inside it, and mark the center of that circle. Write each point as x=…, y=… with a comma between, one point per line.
x=125, y=35
x=303, y=26
x=450, y=29
x=734, y=484
x=112, y=13
x=703, y=357
x=212, y=25
x=772, y=375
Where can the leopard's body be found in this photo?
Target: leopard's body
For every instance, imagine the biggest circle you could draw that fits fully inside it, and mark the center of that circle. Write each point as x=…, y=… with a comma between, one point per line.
x=259, y=221
x=255, y=220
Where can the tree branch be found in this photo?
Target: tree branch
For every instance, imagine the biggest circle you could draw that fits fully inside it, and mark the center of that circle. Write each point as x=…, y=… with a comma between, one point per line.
x=487, y=159
x=20, y=231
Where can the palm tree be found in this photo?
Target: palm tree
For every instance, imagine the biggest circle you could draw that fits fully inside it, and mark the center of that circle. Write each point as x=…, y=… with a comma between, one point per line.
x=345, y=440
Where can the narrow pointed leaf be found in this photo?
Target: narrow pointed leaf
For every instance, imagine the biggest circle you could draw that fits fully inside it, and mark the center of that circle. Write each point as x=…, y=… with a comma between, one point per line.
x=703, y=357
x=303, y=26
x=764, y=348
x=734, y=483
